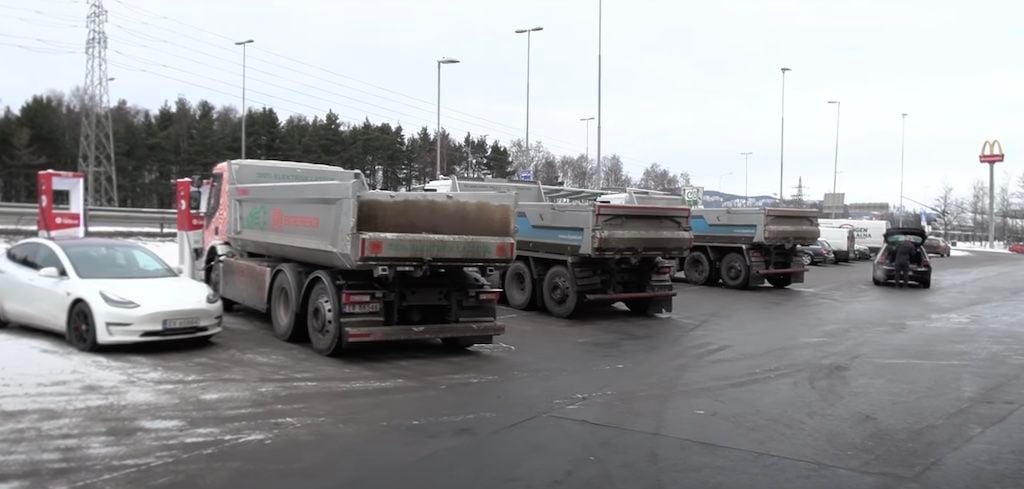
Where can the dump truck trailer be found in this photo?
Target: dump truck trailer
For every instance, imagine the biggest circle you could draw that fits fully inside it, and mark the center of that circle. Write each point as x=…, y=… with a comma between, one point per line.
x=578, y=246
x=746, y=247
x=337, y=263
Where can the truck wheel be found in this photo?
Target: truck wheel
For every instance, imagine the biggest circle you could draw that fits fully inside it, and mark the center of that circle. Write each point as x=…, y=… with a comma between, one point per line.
x=519, y=286
x=284, y=308
x=322, y=322
x=734, y=271
x=780, y=282
x=213, y=279
x=560, y=295
x=698, y=269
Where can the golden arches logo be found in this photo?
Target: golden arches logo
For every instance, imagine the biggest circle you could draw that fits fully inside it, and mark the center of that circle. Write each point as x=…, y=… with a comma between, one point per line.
x=991, y=152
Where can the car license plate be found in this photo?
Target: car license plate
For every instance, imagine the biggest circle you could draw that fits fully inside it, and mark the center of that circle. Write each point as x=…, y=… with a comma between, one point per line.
x=181, y=323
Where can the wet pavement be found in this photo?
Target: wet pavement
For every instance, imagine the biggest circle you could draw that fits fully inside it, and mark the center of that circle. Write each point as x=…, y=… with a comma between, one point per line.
x=833, y=383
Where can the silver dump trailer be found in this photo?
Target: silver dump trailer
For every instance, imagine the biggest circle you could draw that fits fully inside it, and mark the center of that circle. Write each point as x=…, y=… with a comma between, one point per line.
x=335, y=262
x=577, y=246
x=745, y=247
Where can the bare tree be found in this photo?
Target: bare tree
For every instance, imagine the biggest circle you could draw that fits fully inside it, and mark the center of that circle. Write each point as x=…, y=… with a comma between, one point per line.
x=656, y=177
x=614, y=174
x=978, y=205
x=950, y=208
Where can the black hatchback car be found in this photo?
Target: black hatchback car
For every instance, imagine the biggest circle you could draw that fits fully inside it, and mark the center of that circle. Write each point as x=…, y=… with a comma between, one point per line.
x=920, y=268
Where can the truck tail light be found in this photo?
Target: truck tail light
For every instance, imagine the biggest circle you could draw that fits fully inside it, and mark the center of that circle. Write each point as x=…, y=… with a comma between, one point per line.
x=356, y=297
x=371, y=247
x=487, y=296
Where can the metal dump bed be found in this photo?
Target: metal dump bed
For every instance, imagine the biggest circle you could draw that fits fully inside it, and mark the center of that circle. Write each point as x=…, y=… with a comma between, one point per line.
x=755, y=226
x=324, y=215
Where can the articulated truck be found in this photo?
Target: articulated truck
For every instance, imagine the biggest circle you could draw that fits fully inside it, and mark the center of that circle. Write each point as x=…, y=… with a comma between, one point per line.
x=579, y=246
x=337, y=263
x=745, y=247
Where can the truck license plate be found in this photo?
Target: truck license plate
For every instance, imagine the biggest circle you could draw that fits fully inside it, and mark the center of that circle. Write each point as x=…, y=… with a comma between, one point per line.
x=367, y=308
x=181, y=323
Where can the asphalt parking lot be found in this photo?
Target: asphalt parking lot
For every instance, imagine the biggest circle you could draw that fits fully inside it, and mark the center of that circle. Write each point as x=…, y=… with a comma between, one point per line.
x=832, y=383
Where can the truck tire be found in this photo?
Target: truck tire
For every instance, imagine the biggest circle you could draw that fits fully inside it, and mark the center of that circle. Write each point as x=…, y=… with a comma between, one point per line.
x=734, y=271
x=697, y=268
x=213, y=280
x=519, y=286
x=781, y=282
x=560, y=294
x=322, y=321
x=285, y=306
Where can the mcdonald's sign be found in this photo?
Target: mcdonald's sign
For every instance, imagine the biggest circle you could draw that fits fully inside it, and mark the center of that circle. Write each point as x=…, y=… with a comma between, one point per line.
x=991, y=152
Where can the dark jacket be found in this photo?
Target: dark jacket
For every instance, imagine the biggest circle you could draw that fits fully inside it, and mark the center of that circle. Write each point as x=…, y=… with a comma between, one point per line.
x=904, y=251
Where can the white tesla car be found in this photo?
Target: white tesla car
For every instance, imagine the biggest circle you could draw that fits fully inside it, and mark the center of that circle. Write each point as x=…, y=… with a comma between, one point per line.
x=103, y=292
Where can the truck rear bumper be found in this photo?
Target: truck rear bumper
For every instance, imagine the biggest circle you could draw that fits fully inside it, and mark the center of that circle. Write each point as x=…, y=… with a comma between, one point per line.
x=426, y=331
x=630, y=296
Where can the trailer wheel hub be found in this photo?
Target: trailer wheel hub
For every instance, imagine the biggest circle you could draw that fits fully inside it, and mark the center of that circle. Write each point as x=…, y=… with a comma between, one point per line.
x=560, y=290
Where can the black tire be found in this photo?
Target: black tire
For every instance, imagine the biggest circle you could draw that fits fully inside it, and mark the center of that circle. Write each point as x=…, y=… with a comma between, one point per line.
x=519, y=287
x=877, y=282
x=640, y=308
x=926, y=284
x=781, y=282
x=213, y=280
x=285, y=307
x=458, y=343
x=81, y=330
x=560, y=294
x=734, y=271
x=322, y=322
x=698, y=270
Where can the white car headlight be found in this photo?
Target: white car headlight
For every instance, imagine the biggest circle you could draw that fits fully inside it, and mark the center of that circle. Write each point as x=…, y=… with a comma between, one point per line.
x=114, y=300
x=211, y=296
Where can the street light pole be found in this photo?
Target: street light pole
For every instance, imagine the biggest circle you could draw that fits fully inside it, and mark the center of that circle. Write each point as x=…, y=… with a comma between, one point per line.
x=528, y=32
x=243, y=44
x=782, y=140
x=903, y=146
x=599, y=7
x=587, y=151
x=442, y=61
x=746, y=178
x=835, y=167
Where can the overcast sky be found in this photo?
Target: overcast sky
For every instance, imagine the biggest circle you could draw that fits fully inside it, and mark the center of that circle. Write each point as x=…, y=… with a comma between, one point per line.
x=686, y=84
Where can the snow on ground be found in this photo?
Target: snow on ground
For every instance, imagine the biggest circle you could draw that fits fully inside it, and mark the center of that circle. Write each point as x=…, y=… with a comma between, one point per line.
x=963, y=246
x=956, y=252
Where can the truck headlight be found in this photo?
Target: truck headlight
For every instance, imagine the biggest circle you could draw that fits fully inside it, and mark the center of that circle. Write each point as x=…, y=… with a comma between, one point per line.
x=114, y=300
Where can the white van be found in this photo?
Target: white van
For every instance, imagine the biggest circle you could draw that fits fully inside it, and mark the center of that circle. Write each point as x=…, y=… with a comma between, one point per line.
x=867, y=233
x=842, y=241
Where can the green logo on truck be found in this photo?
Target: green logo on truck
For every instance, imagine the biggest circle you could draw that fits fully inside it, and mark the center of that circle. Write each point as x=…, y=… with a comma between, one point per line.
x=257, y=218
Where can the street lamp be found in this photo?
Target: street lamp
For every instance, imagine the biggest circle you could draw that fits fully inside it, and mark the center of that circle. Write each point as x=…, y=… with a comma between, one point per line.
x=835, y=167
x=903, y=146
x=587, y=152
x=528, y=32
x=782, y=140
x=442, y=61
x=599, y=11
x=746, y=178
x=243, y=44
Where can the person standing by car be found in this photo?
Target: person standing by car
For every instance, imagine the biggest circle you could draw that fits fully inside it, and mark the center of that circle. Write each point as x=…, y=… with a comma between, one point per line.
x=904, y=250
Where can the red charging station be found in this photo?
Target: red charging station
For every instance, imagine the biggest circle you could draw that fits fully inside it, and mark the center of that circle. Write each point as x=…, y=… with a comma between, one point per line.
x=55, y=222
x=190, y=224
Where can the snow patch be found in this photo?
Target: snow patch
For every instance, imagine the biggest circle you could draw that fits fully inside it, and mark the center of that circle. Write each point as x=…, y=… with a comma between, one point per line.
x=957, y=252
